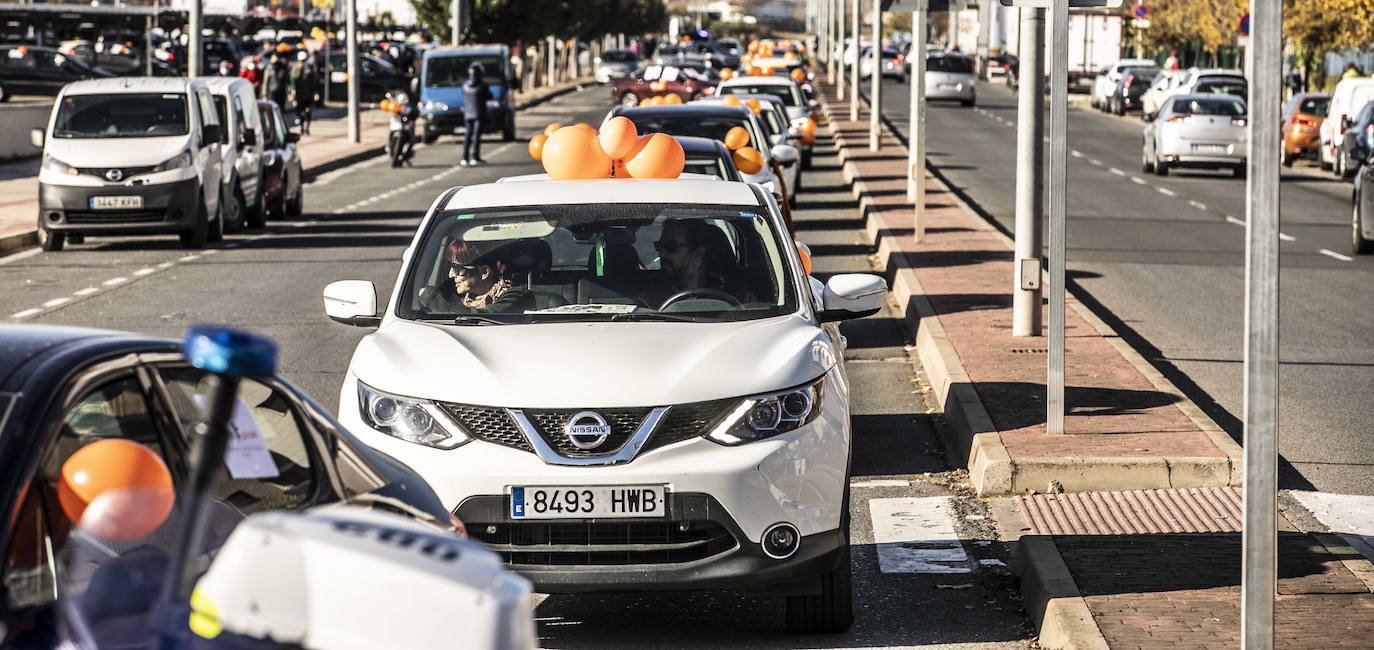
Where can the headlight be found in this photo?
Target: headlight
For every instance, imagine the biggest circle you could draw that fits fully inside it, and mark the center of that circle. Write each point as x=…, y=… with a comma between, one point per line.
x=766, y=416
x=178, y=161
x=57, y=166
x=411, y=420
x=434, y=106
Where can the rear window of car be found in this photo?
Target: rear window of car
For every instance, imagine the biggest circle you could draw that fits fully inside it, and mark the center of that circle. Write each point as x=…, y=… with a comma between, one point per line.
x=1222, y=86
x=787, y=93
x=954, y=64
x=712, y=127
x=1230, y=107
x=1315, y=106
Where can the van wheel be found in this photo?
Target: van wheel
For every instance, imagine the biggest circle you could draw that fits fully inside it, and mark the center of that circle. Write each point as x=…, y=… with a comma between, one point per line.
x=277, y=209
x=200, y=231
x=50, y=241
x=293, y=207
x=830, y=611
x=255, y=216
x=214, y=230
x=232, y=211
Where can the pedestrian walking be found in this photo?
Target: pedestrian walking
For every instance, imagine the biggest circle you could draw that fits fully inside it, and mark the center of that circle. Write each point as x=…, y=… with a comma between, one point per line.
x=303, y=89
x=1172, y=63
x=276, y=80
x=475, y=96
x=248, y=69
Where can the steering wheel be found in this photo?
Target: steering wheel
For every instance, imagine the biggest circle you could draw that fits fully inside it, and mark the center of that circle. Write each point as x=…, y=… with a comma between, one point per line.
x=703, y=292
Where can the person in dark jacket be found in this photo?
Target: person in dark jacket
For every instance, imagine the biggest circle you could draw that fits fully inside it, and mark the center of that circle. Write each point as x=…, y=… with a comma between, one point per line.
x=303, y=89
x=276, y=81
x=475, y=96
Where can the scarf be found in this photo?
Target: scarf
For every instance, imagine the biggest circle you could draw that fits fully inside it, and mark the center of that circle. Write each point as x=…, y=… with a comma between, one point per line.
x=485, y=300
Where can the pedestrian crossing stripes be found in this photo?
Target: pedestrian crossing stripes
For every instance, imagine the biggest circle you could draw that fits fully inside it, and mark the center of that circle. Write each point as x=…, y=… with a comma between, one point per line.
x=916, y=535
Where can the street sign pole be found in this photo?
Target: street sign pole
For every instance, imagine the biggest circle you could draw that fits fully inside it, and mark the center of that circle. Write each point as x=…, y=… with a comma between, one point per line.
x=854, y=69
x=875, y=75
x=916, y=161
x=839, y=52
x=1027, y=312
x=354, y=125
x=1058, y=181
x=194, y=49
x=1259, y=537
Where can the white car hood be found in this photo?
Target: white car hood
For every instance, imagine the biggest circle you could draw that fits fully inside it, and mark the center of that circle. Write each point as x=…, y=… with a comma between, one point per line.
x=592, y=365
x=121, y=152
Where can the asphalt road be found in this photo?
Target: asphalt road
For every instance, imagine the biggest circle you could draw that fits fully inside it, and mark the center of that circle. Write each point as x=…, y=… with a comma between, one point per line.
x=1162, y=259
x=359, y=220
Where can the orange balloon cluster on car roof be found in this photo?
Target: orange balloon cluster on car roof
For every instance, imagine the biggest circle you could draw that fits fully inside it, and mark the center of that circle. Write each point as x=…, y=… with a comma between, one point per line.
x=580, y=152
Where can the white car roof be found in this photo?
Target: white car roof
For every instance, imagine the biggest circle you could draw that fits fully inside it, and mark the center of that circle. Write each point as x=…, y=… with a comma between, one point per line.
x=523, y=178
x=769, y=80
x=627, y=190
x=217, y=84
x=125, y=85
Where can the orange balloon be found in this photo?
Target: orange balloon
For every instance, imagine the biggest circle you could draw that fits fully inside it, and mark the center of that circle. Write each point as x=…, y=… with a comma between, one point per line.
x=575, y=153
x=619, y=171
x=753, y=46
x=748, y=160
x=726, y=74
x=672, y=99
x=810, y=127
x=798, y=75
x=652, y=101
x=658, y=86
x=790, y=56
x=537, y=146
x=753, y=105
x=736, y=137
x=658, y=156
x=808, y=139
x=768, y=71
x=618, y=137
x=585, y=127
x=121, y=488
x=553, y=126
x=731, y=100
x=805, y=259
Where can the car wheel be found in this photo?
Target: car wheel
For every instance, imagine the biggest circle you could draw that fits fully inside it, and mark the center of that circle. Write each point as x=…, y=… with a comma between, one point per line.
x=969, y=102
x=1146, y=165
x=629, y=100
x=195, y=237
x=256, y=216
x=1161, y=166
x=830, y=611
x=1347, y=170
x=214, y=231
x=294, y=207
x=277, y=209
x=51, y=241
x=4, y=94
x=1287, y=158
x=1358, y=244
x=429, y=137
x=1239, y=171
x=233, y=211
x=1338, y=167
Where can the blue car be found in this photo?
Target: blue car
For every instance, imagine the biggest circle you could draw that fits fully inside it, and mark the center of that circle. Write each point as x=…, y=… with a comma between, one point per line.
x=443, y=72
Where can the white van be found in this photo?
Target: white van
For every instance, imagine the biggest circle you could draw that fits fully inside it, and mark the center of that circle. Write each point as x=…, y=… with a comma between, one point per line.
x=1346, y=101
x=241, y=147
x=130, y=155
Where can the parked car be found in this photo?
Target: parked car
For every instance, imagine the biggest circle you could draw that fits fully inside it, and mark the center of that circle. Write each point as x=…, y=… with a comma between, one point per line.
x=242, y=151
x=614, y=64
x=1362, y=200
x=708, y=157
x=1355, y=144
x=772, y=117
x=281, y=164
x=1346, y=100
x=375, y=77
x=891, y=65
x=659, y=467
x=1126, y=96
x=1110, y=75
x=443, y=72
x=1200, y=131
x=63, y=388
x=1301, y=125
x=999, y=65
x=949, y=75
x=1159, y=90
x=655, y=80
x=36, y=70
x=1219, y=80
x=792, y=95
x=132, y=155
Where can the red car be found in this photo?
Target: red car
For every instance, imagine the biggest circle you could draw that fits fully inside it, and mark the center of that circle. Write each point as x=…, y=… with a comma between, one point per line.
x=281, y=164
x=656, y=80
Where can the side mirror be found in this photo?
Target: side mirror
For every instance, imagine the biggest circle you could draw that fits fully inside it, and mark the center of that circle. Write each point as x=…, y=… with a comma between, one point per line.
x=785, y=154
x=812, y=105
x=292, y=136
x=352, y=302
x=852, y=295
x=250, y=137
x=209, y=134
x=36, y=137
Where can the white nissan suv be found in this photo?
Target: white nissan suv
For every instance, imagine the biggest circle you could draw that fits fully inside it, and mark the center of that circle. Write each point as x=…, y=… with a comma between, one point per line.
x=621, y=385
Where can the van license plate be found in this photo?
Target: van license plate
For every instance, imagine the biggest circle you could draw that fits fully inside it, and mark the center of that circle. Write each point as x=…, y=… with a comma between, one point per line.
x=596, y=502
x=116, y=202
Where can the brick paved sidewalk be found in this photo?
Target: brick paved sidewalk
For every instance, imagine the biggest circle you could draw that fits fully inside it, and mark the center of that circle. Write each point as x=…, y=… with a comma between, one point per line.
x=1128, y=428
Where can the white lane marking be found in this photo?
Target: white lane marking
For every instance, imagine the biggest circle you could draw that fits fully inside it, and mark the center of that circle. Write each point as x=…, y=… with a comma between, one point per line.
x=212, y=251
x=1166, y=191
x=114, y=282
x=1197, y=204
x=1349, y=516
x=1094, y=161
x=1336, y=255
x=1287, y=237
x=56, y=301
x=190, y=258
x=87, y=291
x=166, y=265
x=143, y=272
x=21, y=315
x=1138, y=180
x=917, y=536
x=880, y=482
x=1116, y=171
x=1076, y=153
x=22, y=255
x=1231, y=219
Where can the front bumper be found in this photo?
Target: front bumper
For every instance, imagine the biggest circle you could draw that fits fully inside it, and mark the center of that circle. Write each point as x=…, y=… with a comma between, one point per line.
x=961, y=91
x=167, y=207
x=1185, y=153
x=1301, y=141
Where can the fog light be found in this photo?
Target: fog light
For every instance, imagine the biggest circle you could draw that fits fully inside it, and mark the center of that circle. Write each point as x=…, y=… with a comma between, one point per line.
x=780, y=541
x=54, y=217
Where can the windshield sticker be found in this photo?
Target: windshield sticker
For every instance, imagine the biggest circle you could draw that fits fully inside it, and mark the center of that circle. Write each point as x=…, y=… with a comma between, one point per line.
x=585, y=309
x=172, y=96
x=247, y=455
x=464, y=216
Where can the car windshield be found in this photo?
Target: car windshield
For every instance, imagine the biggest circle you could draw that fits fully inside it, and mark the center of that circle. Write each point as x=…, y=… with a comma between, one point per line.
x=1315, y=106
x=954, y=64
x=786, y=92
x=452, y=71
x=1234, y=87
x=137, y=115
x=601, y=262
x=708, y=165
x=1227, y=107
x=701, y=126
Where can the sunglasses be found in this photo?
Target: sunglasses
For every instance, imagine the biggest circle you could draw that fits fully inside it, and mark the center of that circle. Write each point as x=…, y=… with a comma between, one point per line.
x=465, y=268
x=670, y=247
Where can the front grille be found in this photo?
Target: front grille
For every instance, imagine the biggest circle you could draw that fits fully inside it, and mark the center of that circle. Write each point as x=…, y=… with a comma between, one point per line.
x=494, y=425
x=687, y=421
x=129, y=172
x=116, y=216
x=603, y=543
x=623, y=424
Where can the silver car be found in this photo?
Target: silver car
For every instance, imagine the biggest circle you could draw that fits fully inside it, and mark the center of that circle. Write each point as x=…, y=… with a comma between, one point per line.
x=615, y=64
x=1205, y=131
x=949, y=75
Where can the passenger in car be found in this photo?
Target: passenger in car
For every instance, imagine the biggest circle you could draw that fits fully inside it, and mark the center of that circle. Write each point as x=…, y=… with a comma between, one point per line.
x=696, y=255
x=478, y=281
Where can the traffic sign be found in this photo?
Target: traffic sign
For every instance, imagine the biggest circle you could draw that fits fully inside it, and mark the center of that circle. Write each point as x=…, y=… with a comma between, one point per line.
x=1141, y=12
x=1245, y=25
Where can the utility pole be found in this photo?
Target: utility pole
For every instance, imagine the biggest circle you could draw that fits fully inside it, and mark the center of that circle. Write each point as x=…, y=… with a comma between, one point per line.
x=194, y=48
x=984, y=35
x=1027, y=316
x=354, y=123
x=840, y=52
x=854, y=69
x=456, y=22
x=916, y=161
x=1058, y=203
x=875, y=73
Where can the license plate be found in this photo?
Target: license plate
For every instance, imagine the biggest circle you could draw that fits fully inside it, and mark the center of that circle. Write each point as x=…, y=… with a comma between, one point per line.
x=582, y=502
x=1209, y=148
x=116, y=202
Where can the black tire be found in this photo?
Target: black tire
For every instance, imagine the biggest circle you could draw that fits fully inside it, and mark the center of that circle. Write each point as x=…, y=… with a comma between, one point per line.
x=1119, y=108
x=508, y=132
x=294, y=206
x=429, y=137
x=256, y=216
x=394, y=148
x=234, y=211
x=830, y=611
x=4, y=94
x=277, y=209
x=51, y=241
x=200, y=231
x=1358, y=244
x=1239, y=171
x=1347, y=171
x=214, y=229
x=969, y=102
x=1161, y=167
x=1146, y=165
x=1287, y=159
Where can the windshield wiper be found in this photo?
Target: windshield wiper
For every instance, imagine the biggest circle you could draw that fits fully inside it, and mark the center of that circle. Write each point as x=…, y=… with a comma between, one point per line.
x=474, y=319
x=631, y=317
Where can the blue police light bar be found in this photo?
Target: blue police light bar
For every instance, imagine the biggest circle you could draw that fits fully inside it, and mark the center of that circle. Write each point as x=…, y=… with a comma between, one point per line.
x=701, y=33
x=229, y=351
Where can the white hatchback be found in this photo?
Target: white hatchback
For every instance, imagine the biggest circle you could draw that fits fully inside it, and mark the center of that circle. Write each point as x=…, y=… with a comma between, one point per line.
x=621, y=385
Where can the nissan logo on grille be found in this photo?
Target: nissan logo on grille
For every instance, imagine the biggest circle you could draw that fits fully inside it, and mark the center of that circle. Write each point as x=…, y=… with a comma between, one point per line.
x=587, y=430
x=114, y=175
